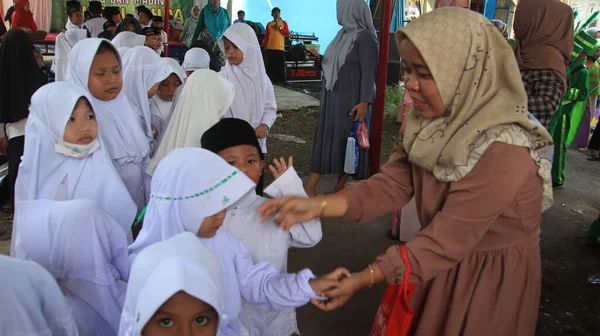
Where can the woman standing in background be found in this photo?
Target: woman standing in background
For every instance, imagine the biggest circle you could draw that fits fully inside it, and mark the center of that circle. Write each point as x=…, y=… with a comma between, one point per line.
x=212, y=23
x=189, y=27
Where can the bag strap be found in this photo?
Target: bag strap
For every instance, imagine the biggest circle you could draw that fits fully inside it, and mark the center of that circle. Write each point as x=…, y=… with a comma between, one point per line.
x=408, y=271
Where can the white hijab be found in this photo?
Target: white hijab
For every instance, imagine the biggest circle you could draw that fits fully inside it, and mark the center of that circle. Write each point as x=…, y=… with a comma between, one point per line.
x=42, y=169
x=142, y=69
x=204, y=100
x=162, y=108
x=122, y=136
x=195, y=59
x=64, y=44
x=122, y=51
x=163, y=269
x=84, y=250
x=354, y=16
x=128, y=39
x=252, y=85
x=32, y=303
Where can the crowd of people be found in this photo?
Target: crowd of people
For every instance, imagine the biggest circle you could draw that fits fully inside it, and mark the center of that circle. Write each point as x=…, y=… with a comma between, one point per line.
x=137, y=182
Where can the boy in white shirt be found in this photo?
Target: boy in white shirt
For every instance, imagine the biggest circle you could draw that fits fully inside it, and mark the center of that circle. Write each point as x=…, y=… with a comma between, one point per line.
x=235, y=141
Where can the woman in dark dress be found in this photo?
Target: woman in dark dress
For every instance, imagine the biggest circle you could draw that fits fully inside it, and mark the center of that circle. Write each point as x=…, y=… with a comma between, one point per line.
x=350, y=69
x=20, y=77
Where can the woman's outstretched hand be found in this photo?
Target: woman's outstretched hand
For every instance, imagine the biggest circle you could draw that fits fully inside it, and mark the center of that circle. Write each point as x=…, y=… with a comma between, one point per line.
x=329, y=281
x=291, y=210
x=339, y=295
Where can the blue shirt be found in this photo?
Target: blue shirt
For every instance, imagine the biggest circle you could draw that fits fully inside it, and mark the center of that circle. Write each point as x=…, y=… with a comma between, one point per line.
x=239, y=21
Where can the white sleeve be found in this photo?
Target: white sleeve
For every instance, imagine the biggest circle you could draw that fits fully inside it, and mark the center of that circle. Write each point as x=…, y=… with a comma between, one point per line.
x=302, y=235
x=270, y=107
x=263, y=286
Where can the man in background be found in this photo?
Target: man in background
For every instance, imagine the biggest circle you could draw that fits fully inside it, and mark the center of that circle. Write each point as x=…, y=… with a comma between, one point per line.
x=274, y=43
x=158, y=22
x=96, y=24
x=241, y=17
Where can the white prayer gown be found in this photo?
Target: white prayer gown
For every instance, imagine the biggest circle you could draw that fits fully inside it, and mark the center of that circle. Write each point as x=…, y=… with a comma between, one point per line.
x=142, y=69
x=163, y=269
x=46, y=174
x=269, y=243
x=64, y=44
x=191, y=184
x=161, y=109
x=254, y=99
x=32, y=303
x=124, y=139
x=95, y=26
x=85, y=251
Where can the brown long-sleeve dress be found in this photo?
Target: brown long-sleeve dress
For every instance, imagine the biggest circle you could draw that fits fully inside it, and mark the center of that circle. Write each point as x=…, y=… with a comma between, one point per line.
x=477, y=258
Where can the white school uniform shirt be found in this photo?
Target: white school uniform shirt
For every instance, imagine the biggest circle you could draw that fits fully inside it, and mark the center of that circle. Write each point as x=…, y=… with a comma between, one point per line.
x=47, y=174
x=191, y=184
x=83, y=248
x=163, y=269
x=125, y=141
x=32, y=303
x=142, y=69
x=266, y=242
x=159, y=108
x=254, y=94
x=64, y=44
x=95, y=25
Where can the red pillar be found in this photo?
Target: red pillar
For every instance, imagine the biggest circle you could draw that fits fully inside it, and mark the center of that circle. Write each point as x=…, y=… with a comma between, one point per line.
x=167, y=26
x=378, y=108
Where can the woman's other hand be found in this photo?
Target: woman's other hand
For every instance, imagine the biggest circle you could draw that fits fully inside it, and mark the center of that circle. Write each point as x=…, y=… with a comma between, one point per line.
x=329, y=281
x=262, y=131
x=339, y=295
x=360, y=110
x=279, y=167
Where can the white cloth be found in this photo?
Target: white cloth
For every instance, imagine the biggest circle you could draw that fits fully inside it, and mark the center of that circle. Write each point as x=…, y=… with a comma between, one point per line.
x=195, y=59
x=254, y=99
x=268, y=242
x=128, y=39
x=203, y=102
x=191, y=184
x=32, y=303
x=124, y=140
x=180, y=263
x=164, y=42
x=84, y=250
x=354, y=16
x=122, y=51
x=161, y=109
x=43, y=170
x=16, y=129
x=70, y=25
x=142, y=69
x=64, y=44
x=95, y=26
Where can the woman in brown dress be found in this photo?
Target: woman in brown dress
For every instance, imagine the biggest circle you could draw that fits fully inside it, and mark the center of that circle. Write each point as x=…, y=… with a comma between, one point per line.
x=471, y=157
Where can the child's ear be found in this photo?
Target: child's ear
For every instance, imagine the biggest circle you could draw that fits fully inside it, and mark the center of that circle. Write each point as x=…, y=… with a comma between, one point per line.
x=262, y=166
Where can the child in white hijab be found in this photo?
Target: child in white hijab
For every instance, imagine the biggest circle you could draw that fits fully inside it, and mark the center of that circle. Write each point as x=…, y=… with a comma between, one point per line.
x=195, y=59
x=64, y=159
x=161, y=103
x=175, y=285
x=84, y=250
x=264, y=241
x=95, y=65
x=191, y=190
x=143, y=71
x=32, y=303
x=204, y=100
x=254, y=99
x=65, y=42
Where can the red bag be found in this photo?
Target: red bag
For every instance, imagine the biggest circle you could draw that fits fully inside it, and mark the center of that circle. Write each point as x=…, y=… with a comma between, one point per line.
x=362, y=136
x=395, y=315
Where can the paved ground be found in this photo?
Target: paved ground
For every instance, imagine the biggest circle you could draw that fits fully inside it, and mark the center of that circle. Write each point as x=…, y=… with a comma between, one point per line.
x=292, y=100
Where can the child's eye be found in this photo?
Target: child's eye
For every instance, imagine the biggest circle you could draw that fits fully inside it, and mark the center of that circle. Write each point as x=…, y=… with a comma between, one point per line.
x=91, y=117
x=251, y=161
x=231, y=163
x=424, y=75
x=100, y=74
x=202, y=320
x=166, y=322
x=71, y=119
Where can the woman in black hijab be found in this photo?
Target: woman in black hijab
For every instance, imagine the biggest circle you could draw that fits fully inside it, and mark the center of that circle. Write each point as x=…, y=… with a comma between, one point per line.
x=20, y=77
x=130, y=24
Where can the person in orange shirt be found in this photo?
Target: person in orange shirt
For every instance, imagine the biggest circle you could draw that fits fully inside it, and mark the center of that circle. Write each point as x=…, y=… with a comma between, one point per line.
x=274, y=41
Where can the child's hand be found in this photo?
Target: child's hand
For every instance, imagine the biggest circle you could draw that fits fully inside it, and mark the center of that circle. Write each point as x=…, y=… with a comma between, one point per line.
x=262, y=131
x=339, y=295
x=329, y=281
x=154, y=132
x=279, y=166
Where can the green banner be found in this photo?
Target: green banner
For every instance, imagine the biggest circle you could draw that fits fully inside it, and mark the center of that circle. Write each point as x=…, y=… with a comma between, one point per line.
x=178, y=9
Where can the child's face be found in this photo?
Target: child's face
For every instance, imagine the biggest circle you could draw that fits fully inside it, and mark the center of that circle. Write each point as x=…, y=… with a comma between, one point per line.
x=144, y=18
x=116, y=18
x=153, y=90
x=26, y=6
x=76, y=18
x=106, y=80
x=113, y=29
x=167, y=88
x=420, y=83
x=189, y=73
x=153, y=42
x=234, y=55
x=158, y=25
x=81, y=128
x=183, y=315
x=246, y=159
x=130, y=27
x=210, y=225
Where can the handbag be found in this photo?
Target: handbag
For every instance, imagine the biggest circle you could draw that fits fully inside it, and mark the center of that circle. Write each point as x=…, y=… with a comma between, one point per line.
x=362, y=136
x=394, y=315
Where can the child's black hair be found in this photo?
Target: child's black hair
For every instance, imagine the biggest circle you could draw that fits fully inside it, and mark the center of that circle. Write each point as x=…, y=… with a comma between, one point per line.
x=241, y=12
x=106, y=46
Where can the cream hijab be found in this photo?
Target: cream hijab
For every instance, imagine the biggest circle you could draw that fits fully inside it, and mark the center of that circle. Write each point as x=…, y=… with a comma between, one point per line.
x=480, y=85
